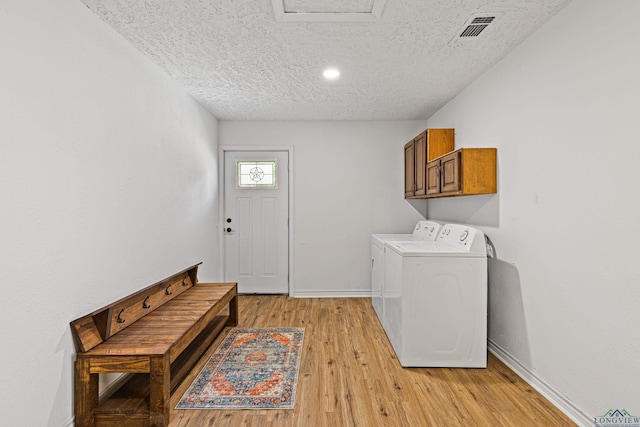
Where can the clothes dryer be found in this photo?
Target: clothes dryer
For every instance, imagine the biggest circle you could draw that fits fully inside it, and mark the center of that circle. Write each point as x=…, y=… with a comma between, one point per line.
x=423, y=231
x=435, y=307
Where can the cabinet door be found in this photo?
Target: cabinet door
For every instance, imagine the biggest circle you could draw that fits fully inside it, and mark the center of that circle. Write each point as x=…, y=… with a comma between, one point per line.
x=409, y=169
x=420, y=151
x=433, y=177
x=439, y=142
x=450, y=172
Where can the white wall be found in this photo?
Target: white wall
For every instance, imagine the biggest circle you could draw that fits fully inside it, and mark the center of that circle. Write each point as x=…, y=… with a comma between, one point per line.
x=348, y=184
x=108, y=183
x=562, y=109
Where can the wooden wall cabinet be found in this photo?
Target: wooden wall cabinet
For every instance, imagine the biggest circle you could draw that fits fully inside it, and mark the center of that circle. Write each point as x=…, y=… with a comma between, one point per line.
x=464, y=172
x=428, y=145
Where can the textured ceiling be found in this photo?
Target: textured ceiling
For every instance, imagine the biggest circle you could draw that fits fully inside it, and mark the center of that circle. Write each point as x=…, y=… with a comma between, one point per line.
x=241, y=63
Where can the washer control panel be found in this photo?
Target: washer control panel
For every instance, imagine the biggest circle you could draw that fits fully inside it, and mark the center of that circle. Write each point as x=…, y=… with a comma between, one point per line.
x=459, y=236
x=426, y=230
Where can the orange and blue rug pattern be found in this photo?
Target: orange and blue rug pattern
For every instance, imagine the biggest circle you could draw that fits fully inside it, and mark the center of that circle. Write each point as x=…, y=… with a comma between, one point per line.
x=253, y=368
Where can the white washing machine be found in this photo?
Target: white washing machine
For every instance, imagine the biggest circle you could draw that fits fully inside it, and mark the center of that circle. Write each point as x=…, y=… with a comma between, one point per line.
x=423, y=231
x=435, y=300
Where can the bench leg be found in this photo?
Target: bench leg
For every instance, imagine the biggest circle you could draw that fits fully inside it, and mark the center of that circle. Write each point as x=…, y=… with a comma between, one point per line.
x=233, y=312
x=160, y=389
x=85, y=393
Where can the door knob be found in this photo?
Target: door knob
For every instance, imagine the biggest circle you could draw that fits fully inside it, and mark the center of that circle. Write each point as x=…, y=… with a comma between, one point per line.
x=229, y=230
x=228, y=219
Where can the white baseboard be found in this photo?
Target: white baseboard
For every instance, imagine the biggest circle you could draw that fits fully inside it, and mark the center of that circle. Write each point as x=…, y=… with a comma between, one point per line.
x=558, y=399
x=332, y=294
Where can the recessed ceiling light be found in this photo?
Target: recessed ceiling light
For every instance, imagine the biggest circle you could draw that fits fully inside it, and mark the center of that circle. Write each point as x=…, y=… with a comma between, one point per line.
x=331, y=73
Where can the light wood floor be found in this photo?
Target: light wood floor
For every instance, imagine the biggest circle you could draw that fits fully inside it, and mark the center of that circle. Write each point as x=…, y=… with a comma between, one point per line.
x=349, y=376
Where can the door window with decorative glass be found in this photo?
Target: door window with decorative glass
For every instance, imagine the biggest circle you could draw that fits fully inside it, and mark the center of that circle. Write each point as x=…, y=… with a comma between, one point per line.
x=258, y=174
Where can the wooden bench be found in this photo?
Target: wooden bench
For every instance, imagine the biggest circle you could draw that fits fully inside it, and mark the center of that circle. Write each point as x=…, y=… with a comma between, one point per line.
x=156, y=334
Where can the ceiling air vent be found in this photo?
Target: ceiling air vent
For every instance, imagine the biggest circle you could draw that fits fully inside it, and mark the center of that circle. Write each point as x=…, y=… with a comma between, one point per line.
x=475, y=26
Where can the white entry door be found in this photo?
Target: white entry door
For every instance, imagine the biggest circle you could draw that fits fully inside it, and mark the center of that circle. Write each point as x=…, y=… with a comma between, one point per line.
x=256, y=221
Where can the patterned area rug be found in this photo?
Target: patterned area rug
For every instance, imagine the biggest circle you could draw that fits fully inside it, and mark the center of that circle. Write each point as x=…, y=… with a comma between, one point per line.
x=251, y=369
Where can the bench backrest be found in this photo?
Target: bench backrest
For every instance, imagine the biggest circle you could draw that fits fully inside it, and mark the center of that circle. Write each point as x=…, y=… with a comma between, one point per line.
x=92, y=329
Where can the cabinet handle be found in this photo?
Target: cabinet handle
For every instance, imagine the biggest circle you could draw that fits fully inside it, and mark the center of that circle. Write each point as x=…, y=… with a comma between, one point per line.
x=144, y=303
x=167, y=291
x=120, y=319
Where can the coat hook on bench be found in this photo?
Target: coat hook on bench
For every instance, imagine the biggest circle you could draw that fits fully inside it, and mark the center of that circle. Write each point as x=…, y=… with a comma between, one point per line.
x=144, y=303
x=167, y=291
x=120, y=319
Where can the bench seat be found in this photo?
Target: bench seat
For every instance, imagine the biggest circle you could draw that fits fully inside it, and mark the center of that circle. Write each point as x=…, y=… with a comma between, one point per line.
x=157, y=335
x=170, y=327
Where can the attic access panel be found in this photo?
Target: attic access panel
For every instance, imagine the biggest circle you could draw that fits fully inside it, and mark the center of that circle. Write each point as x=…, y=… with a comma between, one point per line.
x=328, y=10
